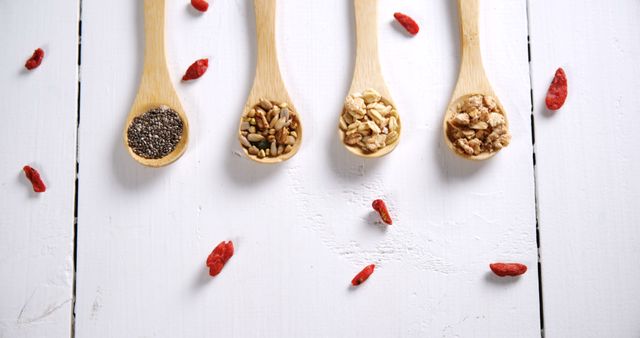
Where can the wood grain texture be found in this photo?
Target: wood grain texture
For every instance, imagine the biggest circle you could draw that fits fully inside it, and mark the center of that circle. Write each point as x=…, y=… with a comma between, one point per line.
x=587, y=168
x=39, y=110
x=367, y=72
x=156, y=88
x=304, y=228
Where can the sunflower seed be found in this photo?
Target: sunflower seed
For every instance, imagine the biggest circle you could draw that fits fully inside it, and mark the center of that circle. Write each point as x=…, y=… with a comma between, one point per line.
x=255, y=137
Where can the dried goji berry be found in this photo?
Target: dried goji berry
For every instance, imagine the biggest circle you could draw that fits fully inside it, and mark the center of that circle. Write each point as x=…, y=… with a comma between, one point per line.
x=557, y=93
x=35, y=60
x=363, y=275
x=196, y=70
x=215, y=267
x=224, y=251
x=508, y=269
x=381, y=208
x=34, y=177
x=407, y=22
x=228, y=253
x=200, y=5
x=219, y=257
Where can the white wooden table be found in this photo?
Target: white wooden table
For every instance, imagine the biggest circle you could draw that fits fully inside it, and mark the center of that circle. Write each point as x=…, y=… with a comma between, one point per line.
x=114, y=249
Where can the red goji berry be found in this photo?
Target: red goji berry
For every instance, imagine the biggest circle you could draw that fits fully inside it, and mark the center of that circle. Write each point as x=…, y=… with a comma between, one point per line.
x=407, y=22
x=215, y=267
x=557, y=93
x=224, y=251
x=34, y=177
x=196, y=70
x=228, y=252
x=363, y=275
x=508, y=269
x=200, y=5
x=219, y=257
x=381, y=208
x=35, y=60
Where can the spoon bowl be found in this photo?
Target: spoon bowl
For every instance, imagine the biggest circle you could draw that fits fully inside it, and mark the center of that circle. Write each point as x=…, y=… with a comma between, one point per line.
x=452, y=110
x=280, y=158
x=380, y=152
x=155, y=88
x=472, y=79
x=268, y=83
x=367, y=72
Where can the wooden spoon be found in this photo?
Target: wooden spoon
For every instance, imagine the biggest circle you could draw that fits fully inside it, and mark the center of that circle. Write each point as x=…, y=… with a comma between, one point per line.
x=268, y=83
x=156, y=88
x=367, y=73
x=472, y=78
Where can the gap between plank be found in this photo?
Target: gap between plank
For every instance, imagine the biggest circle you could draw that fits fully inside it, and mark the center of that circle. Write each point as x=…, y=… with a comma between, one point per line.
x=535, y=172
x=75, y=204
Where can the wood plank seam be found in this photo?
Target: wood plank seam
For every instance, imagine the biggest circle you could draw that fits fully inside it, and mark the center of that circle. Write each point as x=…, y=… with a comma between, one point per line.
x=75, y=204
x=535, y=173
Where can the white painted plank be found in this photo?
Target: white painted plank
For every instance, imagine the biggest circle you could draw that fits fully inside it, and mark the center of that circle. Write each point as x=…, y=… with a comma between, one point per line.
x=39, y=128
x=587, y=168
x=303, y=229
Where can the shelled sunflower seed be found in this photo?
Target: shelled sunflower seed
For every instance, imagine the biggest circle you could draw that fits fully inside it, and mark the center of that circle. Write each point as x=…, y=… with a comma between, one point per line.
x=269, y=129
x=369, y=122
x=478, y=126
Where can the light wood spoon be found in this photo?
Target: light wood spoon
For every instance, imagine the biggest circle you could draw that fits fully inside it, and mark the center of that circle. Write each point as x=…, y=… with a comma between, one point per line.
x=268, y=83
x=472, y=78
x=156, y=88
x=367, y=72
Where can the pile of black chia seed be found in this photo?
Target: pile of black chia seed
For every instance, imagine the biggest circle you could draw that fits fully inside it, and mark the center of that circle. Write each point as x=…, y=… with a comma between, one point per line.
x=156, y=133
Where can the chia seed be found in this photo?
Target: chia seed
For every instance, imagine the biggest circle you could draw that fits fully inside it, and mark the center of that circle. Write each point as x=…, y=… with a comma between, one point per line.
x=156, y=133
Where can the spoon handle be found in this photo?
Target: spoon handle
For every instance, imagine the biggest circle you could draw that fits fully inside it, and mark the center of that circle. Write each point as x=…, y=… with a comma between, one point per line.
x=155, y=62
x=469, y=37
x=267, y=68
x=367, y=68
